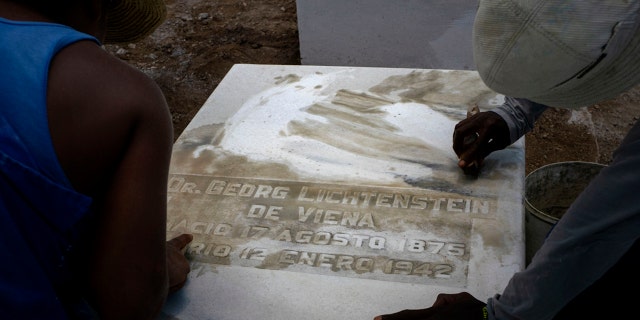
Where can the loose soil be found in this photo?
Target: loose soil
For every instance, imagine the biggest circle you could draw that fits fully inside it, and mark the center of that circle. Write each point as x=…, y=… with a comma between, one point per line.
x=190, y=53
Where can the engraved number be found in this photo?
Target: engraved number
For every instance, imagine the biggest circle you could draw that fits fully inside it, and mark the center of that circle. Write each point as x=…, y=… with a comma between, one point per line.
x=418, y=268
x=254, y=232
x=254, y=253
x=436, y=247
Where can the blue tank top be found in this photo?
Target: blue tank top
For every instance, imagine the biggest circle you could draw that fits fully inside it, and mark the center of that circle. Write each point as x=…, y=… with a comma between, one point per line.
x=42, y=217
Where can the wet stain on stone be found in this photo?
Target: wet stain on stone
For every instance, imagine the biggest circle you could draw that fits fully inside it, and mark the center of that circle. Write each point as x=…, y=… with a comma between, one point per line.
x=453, y=88
x=290, y=78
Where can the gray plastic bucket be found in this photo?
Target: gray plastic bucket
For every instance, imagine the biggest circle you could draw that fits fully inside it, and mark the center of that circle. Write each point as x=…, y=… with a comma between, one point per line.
x=549, y=191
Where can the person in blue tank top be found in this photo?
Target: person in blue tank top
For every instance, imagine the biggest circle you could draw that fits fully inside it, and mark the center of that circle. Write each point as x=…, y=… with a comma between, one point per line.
x=85, y=147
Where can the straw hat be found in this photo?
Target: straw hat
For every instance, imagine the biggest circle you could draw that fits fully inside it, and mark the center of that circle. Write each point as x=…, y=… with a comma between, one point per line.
x=563, y=53
x=132, y=20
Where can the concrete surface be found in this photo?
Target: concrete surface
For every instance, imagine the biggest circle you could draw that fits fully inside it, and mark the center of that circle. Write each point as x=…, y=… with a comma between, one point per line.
x=433, y=34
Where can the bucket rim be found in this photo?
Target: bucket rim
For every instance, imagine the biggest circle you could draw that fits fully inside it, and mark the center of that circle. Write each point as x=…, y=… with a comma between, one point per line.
x=542, y=215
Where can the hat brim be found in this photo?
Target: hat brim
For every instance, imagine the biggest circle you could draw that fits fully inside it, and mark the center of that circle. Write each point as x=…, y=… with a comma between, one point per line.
x=133, y=20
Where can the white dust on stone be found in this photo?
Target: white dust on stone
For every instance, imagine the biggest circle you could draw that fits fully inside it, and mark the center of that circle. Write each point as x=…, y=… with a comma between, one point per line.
x=278, y=126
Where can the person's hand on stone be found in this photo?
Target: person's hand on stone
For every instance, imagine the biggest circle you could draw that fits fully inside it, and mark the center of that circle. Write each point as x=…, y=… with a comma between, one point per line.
x=475, y=137
x=177, y=263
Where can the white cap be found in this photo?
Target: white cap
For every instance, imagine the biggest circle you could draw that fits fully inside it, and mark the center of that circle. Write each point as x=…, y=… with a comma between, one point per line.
x=561, y=53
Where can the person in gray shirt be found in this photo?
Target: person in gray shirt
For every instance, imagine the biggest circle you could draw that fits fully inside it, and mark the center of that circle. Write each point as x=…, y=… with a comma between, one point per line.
x=566, y=54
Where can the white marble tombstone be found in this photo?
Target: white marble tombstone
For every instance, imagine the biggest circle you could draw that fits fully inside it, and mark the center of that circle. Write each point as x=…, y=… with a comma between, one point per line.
x=333, y=193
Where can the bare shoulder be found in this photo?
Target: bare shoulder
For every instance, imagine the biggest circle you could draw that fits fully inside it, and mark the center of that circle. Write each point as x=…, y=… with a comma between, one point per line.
x=104, y=79
x=99, y=109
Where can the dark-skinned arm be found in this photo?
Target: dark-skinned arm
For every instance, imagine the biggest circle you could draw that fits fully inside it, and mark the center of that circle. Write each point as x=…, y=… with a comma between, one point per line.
x=112, y=131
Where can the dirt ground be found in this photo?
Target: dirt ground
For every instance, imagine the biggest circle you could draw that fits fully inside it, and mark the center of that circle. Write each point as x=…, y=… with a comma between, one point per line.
x=190, y=53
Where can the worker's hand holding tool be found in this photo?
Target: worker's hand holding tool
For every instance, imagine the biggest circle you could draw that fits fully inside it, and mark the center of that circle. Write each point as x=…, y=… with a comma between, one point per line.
x=475, y=137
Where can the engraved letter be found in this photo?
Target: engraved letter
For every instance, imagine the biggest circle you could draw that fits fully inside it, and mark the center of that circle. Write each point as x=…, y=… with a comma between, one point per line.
x=215, y=187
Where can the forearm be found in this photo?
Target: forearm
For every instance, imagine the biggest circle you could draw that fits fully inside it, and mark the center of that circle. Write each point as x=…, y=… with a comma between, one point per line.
x=130, y=274
x=129, y=277
x=520, y=115
x=595, y=232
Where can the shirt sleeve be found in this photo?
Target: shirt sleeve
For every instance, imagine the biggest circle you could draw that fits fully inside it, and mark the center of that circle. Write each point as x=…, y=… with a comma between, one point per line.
x=593, y=234
x=520, y=115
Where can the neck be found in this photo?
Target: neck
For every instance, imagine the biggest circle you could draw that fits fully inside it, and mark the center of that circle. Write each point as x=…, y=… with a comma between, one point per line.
x=84, y=16
x=20, y=12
